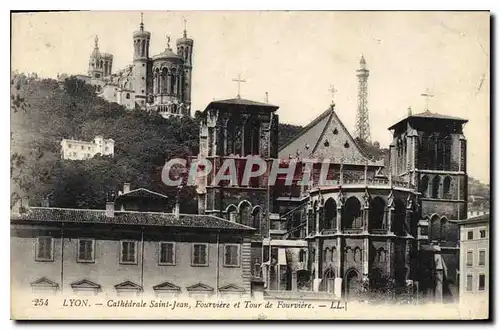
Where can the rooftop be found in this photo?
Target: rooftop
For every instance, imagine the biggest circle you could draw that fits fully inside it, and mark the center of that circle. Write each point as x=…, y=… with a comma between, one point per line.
x=239, y=104
x=89, y=216
x=431, y=115
x=477, y=219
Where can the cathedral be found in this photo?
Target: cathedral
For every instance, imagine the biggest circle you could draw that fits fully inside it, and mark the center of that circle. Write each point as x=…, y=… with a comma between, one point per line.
x=160, y=83
x=377, y=223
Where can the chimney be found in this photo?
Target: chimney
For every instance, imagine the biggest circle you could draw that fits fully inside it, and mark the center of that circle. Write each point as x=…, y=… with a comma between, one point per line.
x=126, y=187
x=110, y=209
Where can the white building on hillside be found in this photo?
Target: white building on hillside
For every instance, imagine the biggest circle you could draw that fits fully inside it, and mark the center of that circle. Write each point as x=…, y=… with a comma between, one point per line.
x=81, y=150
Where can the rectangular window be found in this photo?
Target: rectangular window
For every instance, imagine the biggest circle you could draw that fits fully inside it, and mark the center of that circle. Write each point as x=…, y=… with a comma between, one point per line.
x=86, y=250
x=469, y=259
x=468, y=286
x=69, y=145
x=83, y=147
x=44, y=249
x=167, y=253
x=470, y=235
x=482, y=233
x=128, y=253
x=482, y=257
x=231, y=255
x=200, y=255
x=482, y=282
x=106, y=149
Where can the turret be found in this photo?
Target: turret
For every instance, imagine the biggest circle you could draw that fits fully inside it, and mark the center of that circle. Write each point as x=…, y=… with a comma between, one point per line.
x=141, y=40
x=96, y=63
x=185, y=51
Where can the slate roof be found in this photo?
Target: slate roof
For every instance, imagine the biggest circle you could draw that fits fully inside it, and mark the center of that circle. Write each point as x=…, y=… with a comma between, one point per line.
x=428, y=114
x=239, y=103
x=195, y=221
x=307, y=143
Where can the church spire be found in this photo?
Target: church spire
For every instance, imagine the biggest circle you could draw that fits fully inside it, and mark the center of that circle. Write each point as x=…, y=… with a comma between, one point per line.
x=142, y=22
x=185, y=29
x=96, y=42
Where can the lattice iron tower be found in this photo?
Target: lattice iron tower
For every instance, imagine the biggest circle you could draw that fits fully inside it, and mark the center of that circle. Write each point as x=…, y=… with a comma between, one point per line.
x=362, y=120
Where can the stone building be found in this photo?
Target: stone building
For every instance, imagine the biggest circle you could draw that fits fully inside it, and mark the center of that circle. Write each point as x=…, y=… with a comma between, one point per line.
x=374, y=223
x=81, y=150
x=474, y=259
x=159, y=83
x=133, y=248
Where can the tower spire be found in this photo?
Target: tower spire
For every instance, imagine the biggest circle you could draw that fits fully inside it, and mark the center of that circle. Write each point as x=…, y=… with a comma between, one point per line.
x=185, y=28
x=362, y=119
x=142, y=22
x=96, y=41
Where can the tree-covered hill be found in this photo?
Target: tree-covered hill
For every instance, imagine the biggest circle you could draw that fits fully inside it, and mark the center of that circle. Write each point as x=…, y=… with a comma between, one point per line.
x=45, y=111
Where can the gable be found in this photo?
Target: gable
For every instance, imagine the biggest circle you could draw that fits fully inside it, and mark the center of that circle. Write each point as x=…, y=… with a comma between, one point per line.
x=337, y=144
x=199, y=287
x=166, y=286
x=85, y=284
x=128, y=285
x=44, y=283
x=302, y=145
x=325, y=137
x=231, y=288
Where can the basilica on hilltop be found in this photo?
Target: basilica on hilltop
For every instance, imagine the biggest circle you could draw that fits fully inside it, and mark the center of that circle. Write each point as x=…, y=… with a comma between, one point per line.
x=160, y=83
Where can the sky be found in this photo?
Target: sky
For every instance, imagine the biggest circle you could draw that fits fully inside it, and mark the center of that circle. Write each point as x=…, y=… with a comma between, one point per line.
x=295, y=57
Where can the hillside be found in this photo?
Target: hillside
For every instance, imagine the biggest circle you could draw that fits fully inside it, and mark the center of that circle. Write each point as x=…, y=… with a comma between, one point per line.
x=43, y=112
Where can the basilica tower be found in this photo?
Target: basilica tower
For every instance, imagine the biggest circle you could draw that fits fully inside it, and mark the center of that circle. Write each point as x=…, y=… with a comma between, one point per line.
x=140, y=64
x=185, y=50
x=96, y=63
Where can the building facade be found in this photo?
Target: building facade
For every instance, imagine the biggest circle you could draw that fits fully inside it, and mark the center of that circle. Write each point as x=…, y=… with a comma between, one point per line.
x=474, y=259
x=127, y=253
x=159, y=83
x=375, y=223
x=81, y=150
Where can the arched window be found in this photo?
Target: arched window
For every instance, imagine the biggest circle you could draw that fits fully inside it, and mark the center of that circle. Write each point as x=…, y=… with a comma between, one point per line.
x=127, y=96
x=157, y=81
x=252, y=136
x=434, y=228
x=245, y=213
x=174, y=108
x=357, y=254
x=143, y=48
x=330, y=214
x=351, y=215
x=435, y=186
x=446, y=187
x=163, y=80
x=424, y=185
x=399, y=217
x=376, y=213
x=231, y=213
x=256, y=217
x=443, y=228
x=381, y=255
x=173, y=80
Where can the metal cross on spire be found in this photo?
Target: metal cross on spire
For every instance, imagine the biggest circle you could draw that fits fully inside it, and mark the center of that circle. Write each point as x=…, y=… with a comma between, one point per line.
x=427, y=94
x=239, y=81
x=333, y=91
x=185, y=28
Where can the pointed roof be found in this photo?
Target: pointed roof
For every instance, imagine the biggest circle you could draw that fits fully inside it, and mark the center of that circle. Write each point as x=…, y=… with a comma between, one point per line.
x=166, y=286
x=128, y=285
x=231, y=288
x=325, y=137
x=85, y=284
x=199, y=287
x=429, y=115
x=239, y=104
x=44, y=282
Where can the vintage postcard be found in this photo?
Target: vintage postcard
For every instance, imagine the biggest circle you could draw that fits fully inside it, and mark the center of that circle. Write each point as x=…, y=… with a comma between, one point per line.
x=250, y=165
